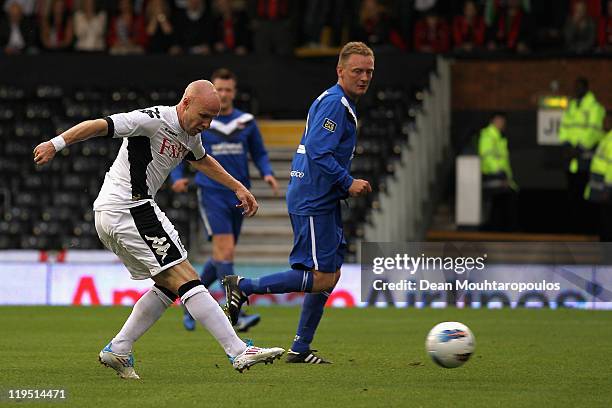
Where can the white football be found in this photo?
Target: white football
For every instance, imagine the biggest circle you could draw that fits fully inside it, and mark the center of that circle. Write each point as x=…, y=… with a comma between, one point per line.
x=450, y=344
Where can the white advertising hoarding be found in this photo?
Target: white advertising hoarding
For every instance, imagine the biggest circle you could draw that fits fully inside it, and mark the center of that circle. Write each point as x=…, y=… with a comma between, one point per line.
x=24, y=283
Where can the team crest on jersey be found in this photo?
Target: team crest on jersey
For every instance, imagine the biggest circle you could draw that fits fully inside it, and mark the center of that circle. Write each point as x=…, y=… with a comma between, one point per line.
x=329, y=125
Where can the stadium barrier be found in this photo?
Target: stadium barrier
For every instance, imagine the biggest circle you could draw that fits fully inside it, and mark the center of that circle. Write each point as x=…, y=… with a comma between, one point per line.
x=97, y=278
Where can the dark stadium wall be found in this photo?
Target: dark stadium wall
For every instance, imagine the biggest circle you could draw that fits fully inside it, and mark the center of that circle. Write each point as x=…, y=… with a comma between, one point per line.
x=514, y=85
x=284, y=87
x=480, y=88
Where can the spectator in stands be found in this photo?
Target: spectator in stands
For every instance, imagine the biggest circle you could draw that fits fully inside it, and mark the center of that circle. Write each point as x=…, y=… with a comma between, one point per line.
x=548, y=32
x=604, y=42
x=580, y=30
x=431, y=34
x=89, y=27
x=376, y=27
x=499, y=188
x=468, y=28
x=509, y=28
x=315, y=18
x=231, y=34
x=28, y=7
x=273, y=26
x=127, y=31
x=159, y=26
x=599, y=188
x=57, y=30
x=593, y=7
x=17, y=33
x=194, y=29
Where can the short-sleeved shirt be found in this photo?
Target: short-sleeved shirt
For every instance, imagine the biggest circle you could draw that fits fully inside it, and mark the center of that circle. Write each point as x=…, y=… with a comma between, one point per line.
x=230, y=140
x=153, y=144
x=319, y=176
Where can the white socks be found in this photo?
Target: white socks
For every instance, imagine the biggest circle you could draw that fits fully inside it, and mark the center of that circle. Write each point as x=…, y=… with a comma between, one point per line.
x=199, y=303
x=203, y=307
x=149, y=308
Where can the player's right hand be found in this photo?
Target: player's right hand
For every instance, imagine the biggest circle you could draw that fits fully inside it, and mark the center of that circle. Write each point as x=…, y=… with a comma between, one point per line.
x=43, y=153
x=247, y=202
x=180, y=185
x=359, y=187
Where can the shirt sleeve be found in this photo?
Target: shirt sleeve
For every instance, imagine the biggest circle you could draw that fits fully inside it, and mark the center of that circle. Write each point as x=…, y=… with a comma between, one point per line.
x=143, y=122
x=323, y=136
x=197, y=149
x=258, y=151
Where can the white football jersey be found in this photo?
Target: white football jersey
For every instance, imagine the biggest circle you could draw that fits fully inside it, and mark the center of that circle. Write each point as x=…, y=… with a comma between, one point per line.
x=154, y=143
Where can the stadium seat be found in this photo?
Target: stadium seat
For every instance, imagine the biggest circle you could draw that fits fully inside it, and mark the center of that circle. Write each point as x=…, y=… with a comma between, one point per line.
x=55, y=200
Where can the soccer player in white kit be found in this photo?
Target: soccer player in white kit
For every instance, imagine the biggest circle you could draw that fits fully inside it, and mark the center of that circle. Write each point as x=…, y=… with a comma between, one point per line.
x=129, y=222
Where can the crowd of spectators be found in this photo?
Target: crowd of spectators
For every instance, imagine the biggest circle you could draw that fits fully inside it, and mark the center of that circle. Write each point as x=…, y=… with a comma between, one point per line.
x=264, y=27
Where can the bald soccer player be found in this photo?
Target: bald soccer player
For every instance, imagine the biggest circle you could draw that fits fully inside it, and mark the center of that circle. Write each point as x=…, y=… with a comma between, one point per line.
x=130, y=223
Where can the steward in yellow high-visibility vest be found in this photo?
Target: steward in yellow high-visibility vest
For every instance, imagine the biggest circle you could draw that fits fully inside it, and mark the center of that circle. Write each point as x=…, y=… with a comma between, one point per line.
x=600, y=180
x=499, y=188
x=582, y=127
x=599, y=188
x=494, y=155
x=581, y=130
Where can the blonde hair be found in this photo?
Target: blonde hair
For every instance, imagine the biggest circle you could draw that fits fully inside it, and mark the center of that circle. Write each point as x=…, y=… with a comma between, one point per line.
x=355, y=47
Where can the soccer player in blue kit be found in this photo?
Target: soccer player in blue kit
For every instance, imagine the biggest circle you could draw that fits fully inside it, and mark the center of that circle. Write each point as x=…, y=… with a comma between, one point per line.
x=231, y=137
x=319, y=180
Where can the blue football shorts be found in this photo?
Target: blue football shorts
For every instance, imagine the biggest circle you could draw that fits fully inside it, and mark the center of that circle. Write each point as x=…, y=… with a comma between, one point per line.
x=318, y=242
x=219, y=213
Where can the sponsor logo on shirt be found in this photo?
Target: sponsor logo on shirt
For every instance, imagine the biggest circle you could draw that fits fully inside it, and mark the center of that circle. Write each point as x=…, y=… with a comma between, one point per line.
x=227, y=148
x=173, y=150
x=329, y=124
x=295, y=173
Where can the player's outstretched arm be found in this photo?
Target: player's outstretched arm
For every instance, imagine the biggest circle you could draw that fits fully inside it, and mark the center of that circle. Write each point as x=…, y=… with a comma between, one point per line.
x=211, y=167
x=44, y=152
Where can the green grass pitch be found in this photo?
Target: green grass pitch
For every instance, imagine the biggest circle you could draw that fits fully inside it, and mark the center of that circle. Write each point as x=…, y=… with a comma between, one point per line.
x=537, y=358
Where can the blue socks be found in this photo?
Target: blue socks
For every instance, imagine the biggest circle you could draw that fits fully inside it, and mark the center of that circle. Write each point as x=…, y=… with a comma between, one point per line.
x=214, y=270
x=312, y=311
x=293, y=280
x=209, y=273
x=224, y=268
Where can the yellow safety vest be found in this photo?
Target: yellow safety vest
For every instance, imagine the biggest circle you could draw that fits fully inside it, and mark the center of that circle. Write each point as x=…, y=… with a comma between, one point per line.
x=600, y=180
x=582, y=128
x=494, y=158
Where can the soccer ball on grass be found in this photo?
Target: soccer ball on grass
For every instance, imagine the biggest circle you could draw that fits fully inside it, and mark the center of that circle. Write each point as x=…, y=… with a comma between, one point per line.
x=450, y=344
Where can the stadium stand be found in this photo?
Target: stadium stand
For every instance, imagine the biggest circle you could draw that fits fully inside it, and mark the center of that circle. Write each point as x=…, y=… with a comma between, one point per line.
x=49, y=208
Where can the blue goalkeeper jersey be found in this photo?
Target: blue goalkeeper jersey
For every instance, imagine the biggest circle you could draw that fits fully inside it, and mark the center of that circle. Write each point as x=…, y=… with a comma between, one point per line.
x=320, y=169
x=230, y=139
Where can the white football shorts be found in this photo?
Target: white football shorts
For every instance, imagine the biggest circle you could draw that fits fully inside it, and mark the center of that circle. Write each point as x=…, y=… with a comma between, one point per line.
x=142, y=237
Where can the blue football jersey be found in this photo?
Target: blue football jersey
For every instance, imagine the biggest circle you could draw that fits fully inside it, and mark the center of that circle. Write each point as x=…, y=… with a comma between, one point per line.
x=230, y=139
x=320, y=169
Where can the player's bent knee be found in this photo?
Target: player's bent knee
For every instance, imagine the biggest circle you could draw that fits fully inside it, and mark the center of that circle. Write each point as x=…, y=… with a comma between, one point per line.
x=173, y=278
x=324, y=281
x=337, y=276
x=225, y=255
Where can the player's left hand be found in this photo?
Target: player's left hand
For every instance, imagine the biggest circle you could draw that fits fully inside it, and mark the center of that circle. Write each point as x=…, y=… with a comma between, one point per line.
x=247, y=202
x=43, y=153
x=271, y=180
